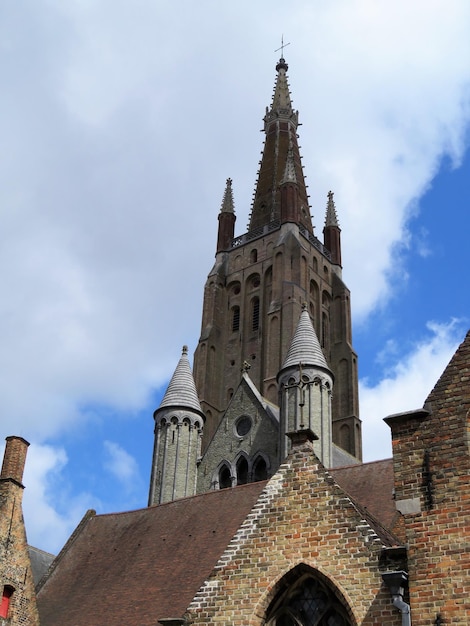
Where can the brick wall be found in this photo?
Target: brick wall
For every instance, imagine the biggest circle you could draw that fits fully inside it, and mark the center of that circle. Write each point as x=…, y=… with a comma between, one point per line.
x=302, y=517
x=432, y=467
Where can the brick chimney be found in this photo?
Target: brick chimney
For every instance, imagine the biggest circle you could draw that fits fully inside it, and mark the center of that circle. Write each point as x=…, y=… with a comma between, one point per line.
x=18, y=603
x=14, y=459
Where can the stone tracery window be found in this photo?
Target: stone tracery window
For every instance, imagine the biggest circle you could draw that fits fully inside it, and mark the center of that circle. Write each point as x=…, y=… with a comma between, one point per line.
x=307, y=602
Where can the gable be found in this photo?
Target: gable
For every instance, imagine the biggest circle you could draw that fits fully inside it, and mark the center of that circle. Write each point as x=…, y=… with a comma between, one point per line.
x=249, y=429
x=301, y=517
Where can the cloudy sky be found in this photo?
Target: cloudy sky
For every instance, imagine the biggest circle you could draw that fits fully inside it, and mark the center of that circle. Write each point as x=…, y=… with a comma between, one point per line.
x=119, y=123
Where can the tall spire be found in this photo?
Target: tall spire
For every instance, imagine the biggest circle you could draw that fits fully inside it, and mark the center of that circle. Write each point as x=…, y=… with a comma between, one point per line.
x=281, y=106
x=281, y=157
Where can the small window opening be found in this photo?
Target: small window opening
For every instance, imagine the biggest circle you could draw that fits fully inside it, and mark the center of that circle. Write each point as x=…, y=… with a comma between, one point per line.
x=235, y=319
x=254, y=256
x=243, y=425
x=255, y=314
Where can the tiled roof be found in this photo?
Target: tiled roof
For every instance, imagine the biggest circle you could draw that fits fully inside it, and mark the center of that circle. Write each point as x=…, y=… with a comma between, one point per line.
x=370, y=485
x=138, y=567
x=40, y=562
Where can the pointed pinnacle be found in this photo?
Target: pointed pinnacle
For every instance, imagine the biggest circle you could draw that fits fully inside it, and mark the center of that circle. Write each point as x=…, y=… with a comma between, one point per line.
x=281, y=98
x=331, y=218
x=227, y=202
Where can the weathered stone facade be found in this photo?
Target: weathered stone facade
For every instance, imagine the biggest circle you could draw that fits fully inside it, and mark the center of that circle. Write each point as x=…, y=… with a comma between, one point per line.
x=246, y=441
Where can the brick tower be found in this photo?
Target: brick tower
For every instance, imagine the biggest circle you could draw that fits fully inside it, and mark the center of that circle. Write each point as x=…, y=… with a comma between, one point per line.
x=254, y=293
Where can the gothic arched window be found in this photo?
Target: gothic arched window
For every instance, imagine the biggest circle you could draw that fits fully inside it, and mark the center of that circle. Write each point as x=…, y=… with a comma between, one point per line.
x=242, y=471
x=225, y=477
x=306, y=601
x=260, y=470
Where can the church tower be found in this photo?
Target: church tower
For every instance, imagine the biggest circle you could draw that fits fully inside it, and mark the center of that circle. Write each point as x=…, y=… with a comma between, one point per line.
x=254, y=293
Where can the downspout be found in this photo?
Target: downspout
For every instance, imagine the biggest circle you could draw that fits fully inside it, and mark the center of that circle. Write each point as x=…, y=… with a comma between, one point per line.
x=404, y=608
x=396, y=582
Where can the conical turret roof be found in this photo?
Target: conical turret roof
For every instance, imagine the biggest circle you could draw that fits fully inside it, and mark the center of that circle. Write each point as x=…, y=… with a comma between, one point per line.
x=305, y=348
x=182, y=389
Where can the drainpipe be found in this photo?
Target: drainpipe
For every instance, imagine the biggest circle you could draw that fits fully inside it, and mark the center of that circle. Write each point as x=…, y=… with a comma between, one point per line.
x=396, y=582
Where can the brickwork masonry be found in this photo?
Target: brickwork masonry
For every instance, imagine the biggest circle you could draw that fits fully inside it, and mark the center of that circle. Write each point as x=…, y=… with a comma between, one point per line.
x=302, y=517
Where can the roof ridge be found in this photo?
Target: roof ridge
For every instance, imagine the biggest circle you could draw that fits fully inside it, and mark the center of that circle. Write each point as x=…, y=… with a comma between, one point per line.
x=362, y=464
x=172, y=502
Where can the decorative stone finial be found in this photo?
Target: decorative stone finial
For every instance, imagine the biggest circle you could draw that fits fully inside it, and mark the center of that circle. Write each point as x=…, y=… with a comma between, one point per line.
x=227, y=201
x=185, y=350
x=282, y=65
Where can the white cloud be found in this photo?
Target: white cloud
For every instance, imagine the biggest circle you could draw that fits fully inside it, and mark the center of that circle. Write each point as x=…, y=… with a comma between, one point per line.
x=51, y=512
x=408, y=380
x=119, y=143
x=119, y=126
x=120, y=464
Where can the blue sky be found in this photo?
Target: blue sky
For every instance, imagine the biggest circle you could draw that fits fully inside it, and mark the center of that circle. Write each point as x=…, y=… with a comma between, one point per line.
x=119, y=127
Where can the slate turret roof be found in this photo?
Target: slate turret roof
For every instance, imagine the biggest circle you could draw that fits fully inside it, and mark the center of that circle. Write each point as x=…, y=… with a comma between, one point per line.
x=305, y=348
x=182, y=388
